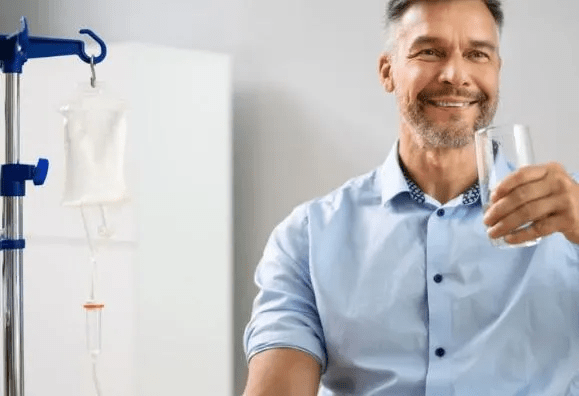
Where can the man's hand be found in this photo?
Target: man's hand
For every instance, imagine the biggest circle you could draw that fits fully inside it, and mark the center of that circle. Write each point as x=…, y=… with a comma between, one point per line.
x=545, y=195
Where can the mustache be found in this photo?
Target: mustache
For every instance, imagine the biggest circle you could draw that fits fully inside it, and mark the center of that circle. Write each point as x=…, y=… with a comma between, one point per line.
x=426, y=95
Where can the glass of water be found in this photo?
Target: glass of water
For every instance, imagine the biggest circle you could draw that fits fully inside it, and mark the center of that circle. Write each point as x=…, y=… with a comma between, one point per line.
x=500, y=150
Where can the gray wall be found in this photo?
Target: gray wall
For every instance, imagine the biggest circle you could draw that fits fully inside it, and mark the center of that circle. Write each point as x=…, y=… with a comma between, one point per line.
x=308, y=110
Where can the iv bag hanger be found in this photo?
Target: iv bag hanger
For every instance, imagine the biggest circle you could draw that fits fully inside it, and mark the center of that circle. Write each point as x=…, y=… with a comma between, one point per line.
x=17, y=48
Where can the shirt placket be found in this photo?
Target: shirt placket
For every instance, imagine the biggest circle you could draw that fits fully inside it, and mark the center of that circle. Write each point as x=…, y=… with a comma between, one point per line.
x=440, y=351
x=439, y=377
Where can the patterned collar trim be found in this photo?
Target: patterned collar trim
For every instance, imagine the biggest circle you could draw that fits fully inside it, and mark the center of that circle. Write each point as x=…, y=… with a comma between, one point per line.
x=469, y=197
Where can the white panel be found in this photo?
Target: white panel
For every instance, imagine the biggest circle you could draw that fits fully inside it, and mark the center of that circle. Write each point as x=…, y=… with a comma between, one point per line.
x=185, y=276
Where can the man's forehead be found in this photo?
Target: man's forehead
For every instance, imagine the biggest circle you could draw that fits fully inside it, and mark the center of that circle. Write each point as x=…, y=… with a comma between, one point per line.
x=436, y=17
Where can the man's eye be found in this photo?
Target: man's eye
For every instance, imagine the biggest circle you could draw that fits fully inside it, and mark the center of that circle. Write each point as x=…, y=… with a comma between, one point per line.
x=429, y=54
x=478, y=56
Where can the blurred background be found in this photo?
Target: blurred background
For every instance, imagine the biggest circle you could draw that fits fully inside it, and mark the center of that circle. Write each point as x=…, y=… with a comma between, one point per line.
x=308, y=111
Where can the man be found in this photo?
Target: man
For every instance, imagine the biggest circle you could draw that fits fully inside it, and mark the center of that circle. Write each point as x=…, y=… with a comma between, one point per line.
x=390, y=285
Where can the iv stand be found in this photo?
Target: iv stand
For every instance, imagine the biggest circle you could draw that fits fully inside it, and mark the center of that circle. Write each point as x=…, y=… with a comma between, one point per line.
x=15, y=50
x=12, y=264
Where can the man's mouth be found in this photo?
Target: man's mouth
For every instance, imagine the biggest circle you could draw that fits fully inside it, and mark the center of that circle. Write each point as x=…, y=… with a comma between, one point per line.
x=445, y=104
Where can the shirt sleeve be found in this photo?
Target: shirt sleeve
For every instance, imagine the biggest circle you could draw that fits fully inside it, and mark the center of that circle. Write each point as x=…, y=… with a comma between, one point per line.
x=284, y=313
x=575, y=177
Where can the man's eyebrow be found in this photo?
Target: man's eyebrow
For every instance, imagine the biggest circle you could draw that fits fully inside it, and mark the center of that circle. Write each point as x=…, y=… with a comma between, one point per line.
x=483, y=44
x=427, y=40
x=423, y=40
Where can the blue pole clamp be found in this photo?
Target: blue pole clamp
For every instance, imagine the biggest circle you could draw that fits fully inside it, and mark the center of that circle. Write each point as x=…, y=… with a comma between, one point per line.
x=13, y=179
x=12, y=244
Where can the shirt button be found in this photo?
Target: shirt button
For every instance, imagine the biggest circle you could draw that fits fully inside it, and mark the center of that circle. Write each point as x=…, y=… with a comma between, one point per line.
x=439, y=352
x=438, y=278
x=440, y=212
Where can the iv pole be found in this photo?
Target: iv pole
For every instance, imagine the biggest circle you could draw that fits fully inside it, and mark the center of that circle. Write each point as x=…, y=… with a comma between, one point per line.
x=15, y=50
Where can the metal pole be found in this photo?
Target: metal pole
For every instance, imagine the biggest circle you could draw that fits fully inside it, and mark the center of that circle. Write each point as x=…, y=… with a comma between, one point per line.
x=12, y=265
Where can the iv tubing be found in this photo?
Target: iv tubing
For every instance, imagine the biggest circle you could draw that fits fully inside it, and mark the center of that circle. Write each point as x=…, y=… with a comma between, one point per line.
x=92, y=255
x=95, y=376
x=92, y=305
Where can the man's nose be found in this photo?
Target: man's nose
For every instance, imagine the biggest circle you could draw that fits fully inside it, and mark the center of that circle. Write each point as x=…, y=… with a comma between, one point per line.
x=455, y=72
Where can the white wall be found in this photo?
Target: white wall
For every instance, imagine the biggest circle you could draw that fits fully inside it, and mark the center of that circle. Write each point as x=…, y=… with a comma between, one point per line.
x=308, y=110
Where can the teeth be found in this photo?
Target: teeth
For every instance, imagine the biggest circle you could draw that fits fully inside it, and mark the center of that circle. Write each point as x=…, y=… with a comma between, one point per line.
x=451, y=104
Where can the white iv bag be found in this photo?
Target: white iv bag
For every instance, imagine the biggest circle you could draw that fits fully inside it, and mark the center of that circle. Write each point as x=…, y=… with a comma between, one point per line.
x=95, y=132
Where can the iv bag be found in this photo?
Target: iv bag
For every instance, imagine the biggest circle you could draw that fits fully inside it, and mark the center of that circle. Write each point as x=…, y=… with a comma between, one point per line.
x=95, y=132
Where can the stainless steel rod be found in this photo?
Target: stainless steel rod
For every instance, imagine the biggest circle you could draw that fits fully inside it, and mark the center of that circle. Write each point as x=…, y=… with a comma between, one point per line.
x=12, y=266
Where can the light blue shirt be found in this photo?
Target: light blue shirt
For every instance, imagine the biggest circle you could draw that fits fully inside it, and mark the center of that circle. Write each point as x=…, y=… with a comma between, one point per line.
x=395, y=294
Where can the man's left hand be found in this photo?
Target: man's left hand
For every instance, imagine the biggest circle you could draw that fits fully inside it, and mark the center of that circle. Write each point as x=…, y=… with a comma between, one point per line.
x=544, y=195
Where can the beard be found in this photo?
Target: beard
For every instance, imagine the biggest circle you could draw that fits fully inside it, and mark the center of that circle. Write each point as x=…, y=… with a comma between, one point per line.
x=457, y=131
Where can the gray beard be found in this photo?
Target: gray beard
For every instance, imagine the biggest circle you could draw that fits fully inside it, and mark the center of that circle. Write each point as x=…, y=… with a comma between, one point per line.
x=456, y=134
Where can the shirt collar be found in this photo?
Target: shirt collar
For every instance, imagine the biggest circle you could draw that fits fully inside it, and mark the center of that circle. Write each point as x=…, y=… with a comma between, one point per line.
x=393, y=180
x=396, y=181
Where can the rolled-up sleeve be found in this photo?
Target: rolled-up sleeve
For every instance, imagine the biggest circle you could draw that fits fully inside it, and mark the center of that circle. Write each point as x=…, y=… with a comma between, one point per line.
x=284, y=312
x=575, y=177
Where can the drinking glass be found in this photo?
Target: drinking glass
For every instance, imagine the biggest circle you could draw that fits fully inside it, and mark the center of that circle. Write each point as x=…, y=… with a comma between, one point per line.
x=501, y=150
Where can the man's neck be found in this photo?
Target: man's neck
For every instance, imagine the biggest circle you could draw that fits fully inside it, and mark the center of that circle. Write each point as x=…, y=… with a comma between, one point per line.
x=441, y=173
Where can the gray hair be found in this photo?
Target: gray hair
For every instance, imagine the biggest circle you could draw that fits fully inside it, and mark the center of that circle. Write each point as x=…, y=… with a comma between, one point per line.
x=396, y=9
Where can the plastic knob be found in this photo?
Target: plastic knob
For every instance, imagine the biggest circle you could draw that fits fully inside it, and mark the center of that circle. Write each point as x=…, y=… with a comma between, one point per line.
x=40, y=172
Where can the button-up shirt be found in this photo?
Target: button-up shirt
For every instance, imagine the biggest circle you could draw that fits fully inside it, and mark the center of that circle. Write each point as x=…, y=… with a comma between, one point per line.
x=395, y=294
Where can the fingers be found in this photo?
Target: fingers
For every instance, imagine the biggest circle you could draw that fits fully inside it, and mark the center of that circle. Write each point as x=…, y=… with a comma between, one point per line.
x=518, y=198
x=534, y=211
x=540, y=228
x=522, y=176
x=544, y=196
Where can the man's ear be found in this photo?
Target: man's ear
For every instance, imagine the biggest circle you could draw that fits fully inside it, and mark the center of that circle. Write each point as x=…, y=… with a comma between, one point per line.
x=385, y=72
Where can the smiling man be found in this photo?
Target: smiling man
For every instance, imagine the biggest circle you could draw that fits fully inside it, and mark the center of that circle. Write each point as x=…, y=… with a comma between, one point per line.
x=389, y=285
x=443, y=66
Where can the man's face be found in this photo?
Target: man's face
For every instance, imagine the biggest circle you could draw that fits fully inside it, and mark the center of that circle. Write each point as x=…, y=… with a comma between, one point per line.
x=444, y=70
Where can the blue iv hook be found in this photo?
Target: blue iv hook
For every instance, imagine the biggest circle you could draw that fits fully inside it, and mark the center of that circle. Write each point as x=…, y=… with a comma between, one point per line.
x=17, y=48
